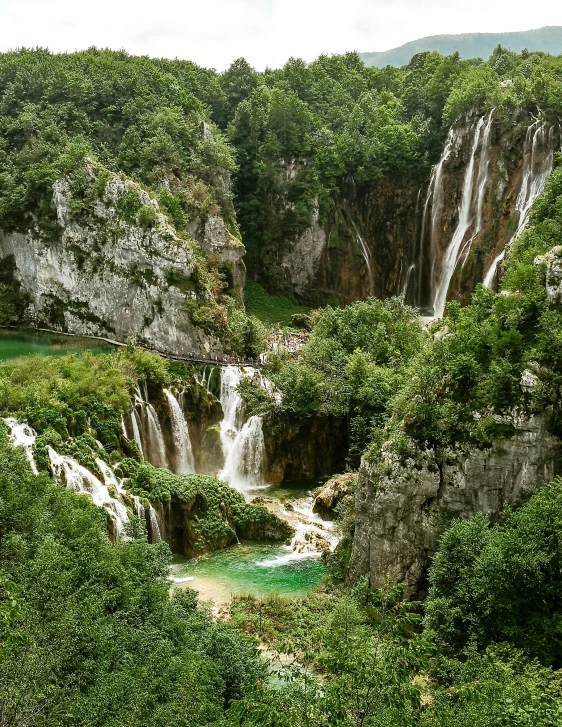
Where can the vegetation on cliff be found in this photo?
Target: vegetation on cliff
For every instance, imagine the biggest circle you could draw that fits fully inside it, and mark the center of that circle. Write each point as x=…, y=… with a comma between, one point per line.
x=209, y=513
x=468, y=377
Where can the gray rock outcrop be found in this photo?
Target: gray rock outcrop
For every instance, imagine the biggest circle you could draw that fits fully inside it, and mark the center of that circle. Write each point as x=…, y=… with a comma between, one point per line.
x=403, y=507
x=107, y=275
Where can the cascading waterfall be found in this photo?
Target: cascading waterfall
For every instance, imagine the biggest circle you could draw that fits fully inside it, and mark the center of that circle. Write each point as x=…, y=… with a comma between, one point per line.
x=136, y=431
x=243, y=445
x=538, y=162
x=22, y=435
x=78, y=478
x=184, y=462
x=466, y=218
x=243, y=468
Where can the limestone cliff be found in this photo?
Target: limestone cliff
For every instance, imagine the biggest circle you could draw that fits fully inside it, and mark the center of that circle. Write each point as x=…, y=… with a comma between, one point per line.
x=116, y=267
x=430, y=237
x=403, y=506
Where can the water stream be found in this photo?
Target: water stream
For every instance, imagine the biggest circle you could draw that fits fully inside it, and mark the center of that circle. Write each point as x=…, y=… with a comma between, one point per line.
x=257, y=568
x=184, y=462
x=466, y=223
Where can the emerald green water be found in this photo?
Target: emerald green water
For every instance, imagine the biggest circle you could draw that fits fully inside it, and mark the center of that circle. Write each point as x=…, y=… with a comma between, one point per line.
x=15, y=344
x=257, y=569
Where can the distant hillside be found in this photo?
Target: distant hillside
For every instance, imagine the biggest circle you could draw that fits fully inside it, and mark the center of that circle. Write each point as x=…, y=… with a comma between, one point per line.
x=470, y=45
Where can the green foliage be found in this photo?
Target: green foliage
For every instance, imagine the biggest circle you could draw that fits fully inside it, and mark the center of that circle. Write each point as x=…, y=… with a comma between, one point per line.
x=135, y=115
x=502, y=583
x=247, y=333
x=87, y=629
x=271, y=308
x=214, y=514
x=352, y=364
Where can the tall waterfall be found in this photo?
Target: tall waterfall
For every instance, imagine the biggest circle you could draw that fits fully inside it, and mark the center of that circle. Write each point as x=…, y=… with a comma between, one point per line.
x=538, y=161
x=184, y=462
x=470, y=219
x=243, y=445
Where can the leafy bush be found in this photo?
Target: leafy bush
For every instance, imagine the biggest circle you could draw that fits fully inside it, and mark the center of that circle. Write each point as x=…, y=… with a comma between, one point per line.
x=501, y=582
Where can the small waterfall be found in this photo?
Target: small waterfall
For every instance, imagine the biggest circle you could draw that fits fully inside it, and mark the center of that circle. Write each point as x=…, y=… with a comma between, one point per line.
x=136, y=431
x=243, y=468
x=155, y=446
x=407, y=280
x=182, y=443
x=464, y=224
x=78, y=478
x=366, y=256
x=243, y=445
x=154, y=526
x=538, y=162
x=493, y=270
x=22, y=435
x=140, y=512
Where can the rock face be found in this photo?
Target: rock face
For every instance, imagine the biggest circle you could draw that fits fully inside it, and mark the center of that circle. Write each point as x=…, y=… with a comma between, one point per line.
x=551, y=266
x=109, y=274
x=360, y=247
x=334, y=491
x=401, y=508
x=304, y=449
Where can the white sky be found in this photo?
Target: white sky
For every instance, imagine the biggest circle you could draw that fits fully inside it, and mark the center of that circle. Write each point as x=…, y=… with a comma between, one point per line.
x=266, y=32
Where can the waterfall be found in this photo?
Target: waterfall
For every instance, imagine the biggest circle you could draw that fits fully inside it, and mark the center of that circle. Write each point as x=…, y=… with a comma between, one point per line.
x=481, y=184
x=538, y=161
x=243, y=445
x=136, y=431
x=155, y=528
x=243, y=468
x=407, y=280
x=182, y=443
x=78, y=478
x=155, y=446
x=22, y=435
x=464, y=224
x=366, y=256
x=140, y=512
x=436, y=193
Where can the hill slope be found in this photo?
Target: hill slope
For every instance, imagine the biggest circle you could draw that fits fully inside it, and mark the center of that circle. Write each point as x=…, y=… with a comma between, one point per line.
x=470, y=45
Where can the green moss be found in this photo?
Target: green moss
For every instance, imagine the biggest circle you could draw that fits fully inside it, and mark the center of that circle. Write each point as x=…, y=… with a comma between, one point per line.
x=270, y=308
x=214, y=513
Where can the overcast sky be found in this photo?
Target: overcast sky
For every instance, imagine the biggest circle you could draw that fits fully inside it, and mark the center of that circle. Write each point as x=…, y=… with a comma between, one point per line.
x=266, y=32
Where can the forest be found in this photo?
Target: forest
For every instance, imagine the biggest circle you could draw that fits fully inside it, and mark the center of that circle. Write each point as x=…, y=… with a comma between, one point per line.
x=91, y=632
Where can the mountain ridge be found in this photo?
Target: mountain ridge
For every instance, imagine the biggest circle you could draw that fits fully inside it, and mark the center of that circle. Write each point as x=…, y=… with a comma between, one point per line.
x=470, y=45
